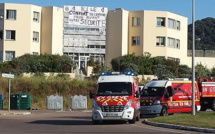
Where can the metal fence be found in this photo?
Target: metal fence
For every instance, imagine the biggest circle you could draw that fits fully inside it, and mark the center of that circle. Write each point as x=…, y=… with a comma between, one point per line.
x=202, y=53
x=54, y=102
x=78, y=102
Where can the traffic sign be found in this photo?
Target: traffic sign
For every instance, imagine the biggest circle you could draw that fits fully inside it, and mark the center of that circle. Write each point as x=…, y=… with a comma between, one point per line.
x=8, y=75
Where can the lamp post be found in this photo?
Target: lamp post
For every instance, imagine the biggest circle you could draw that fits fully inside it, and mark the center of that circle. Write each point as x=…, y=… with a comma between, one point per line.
x=193, y=56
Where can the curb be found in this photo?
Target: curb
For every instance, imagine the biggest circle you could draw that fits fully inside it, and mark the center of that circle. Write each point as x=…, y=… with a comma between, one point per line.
x=24, y=113
x=180, y=127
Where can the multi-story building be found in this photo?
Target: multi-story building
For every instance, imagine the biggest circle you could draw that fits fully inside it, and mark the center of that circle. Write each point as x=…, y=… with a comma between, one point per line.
x=84, y=33
x=29, y=29
x=20, y=29
x=160, y=33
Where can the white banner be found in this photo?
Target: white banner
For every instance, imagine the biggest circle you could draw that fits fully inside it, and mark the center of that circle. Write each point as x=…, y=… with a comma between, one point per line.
x=87, y=16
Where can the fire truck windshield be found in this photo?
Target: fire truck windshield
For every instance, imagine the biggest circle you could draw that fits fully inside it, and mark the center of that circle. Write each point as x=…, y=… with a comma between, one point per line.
x=153, y=91
x=114, y=88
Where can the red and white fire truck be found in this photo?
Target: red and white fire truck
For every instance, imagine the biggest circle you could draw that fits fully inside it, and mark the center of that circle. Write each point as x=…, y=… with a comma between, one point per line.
x=207, y=93
x=174, y=96
x=116, y=98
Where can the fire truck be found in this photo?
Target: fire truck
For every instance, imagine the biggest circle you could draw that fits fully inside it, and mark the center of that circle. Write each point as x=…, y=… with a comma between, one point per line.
x=116, y=98
x=175, y=96
x=207, y=93
x=168, y=97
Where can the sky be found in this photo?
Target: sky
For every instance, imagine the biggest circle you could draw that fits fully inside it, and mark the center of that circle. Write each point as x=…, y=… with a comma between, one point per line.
x=203, y=8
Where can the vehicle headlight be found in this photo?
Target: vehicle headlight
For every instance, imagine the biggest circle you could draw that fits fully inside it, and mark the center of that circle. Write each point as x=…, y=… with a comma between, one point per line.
x=128, y=104
x=157, y=102
x=96, y=106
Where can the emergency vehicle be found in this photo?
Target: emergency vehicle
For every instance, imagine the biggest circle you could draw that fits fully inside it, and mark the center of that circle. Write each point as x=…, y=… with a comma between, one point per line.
x=207, y=93
x=168, y=97
x=116, y=98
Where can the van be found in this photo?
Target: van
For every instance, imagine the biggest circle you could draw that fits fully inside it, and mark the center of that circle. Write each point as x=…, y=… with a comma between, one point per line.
x=168, y=97
x=116, y=98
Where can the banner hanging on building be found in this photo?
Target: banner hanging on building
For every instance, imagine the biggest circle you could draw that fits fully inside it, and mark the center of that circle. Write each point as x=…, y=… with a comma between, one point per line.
x=86, y=16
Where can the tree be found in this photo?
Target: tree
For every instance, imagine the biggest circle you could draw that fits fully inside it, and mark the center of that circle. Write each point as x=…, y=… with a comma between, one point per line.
x=202, y=71
x=205, y=34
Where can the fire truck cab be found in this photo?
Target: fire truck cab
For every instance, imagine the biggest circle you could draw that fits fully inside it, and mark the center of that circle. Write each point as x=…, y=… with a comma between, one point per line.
x=116, y=98
x=168, y=97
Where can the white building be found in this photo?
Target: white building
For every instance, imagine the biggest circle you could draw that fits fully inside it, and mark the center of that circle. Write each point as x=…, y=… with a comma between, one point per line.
x=84, y=33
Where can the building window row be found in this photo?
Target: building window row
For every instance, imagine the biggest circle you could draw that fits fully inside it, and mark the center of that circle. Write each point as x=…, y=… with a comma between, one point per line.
x=136, y=40
x=81, y=29
x=173, y=24
x=11, y=35
x=172, y=42
x=135, y=21
x=11, y=15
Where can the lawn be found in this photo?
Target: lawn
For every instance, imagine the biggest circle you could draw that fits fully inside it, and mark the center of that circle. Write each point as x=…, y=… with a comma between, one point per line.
x=203, y=119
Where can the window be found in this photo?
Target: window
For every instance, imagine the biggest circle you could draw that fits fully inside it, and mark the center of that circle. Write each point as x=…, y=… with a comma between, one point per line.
x=10, y=34
x=11, y=14
x=1, y=34
x=136, y=40
x=160, y=41
x=35, y=53
x=36, y=17
x=1, y=14
x=135, y=21
x=177, y=44
x=171, y=23
x=1, y=55
x=161, y=22
x=36, y=36
x=9, y=55
x=171, y=42
x=178, y=25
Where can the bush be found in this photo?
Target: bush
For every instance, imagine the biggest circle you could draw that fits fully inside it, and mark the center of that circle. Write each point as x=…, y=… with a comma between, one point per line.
x=37, y=64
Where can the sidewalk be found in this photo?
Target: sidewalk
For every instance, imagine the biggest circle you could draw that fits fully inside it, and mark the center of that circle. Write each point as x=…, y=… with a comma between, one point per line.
x=15, y=112
x=180, y=127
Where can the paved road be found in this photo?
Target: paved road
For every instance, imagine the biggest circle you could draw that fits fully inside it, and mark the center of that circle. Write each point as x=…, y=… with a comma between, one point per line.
x=46, y=122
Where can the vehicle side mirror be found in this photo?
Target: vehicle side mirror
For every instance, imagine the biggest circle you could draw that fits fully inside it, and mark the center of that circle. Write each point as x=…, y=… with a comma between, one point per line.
x=92, y=95
x=167, y=95
x=169, y=92
x=137, y=94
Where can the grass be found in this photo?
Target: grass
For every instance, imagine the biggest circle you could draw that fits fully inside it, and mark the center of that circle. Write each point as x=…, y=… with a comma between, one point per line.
x=203, y=119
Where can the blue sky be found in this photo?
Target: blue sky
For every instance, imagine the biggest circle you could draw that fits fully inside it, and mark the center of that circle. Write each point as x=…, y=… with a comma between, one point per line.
x=204, y=8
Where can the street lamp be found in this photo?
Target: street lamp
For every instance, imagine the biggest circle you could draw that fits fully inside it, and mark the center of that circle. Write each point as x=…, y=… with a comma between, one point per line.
x=193, y=56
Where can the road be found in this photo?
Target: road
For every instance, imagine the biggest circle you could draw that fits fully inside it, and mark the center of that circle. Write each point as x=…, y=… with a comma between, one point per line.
x=49, y=122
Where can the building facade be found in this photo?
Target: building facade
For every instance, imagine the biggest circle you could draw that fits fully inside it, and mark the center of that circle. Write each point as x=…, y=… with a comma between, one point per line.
x=20, y=29
x=30, y=29
x=159, y=33
x=84, y=34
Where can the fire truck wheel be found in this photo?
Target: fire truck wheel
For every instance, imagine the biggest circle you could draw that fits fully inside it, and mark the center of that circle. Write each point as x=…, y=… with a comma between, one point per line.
x=213, y=105
x=164, y=112
x=133, y=120
x=203, y=108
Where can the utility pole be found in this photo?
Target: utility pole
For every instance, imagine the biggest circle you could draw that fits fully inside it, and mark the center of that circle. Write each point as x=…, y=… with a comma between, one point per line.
x=193, y=56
